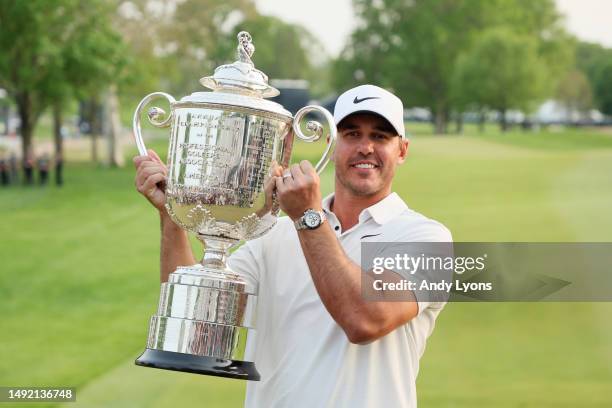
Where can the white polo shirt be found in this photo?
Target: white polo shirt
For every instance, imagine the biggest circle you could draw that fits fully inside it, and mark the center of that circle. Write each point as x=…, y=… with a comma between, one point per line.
x=302, y=354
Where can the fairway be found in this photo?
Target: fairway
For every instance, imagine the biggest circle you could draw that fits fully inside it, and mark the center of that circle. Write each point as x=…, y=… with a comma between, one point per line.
x=80, y=279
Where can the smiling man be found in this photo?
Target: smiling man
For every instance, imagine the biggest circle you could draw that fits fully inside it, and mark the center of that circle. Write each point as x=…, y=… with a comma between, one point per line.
x=319, y=343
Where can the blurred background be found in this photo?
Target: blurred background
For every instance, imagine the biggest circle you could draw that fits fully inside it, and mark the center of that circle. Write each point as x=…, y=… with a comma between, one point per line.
x=508, y=106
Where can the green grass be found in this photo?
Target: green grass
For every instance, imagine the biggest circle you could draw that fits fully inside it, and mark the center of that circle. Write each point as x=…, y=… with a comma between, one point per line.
x=80, y=278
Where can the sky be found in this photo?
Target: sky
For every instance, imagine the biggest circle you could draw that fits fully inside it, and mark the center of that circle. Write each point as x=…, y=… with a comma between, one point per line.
x=589, y=20
x=332, y=20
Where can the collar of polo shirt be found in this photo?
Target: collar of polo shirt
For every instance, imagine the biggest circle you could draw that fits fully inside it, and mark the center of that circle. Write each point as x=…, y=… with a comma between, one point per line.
x=383, y=211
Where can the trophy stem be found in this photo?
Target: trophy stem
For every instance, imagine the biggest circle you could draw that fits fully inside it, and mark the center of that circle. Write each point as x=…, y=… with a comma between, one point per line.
x=216, y=252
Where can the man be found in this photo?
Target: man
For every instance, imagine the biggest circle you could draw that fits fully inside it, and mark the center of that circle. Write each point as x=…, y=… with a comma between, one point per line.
x=319, y=343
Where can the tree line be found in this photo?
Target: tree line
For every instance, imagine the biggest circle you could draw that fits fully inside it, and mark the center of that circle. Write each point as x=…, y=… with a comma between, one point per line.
x=451, y=56
x=454, y=56
x=56, y=53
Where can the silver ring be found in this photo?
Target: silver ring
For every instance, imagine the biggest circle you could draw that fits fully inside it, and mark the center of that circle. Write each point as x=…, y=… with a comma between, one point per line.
x=287, y=176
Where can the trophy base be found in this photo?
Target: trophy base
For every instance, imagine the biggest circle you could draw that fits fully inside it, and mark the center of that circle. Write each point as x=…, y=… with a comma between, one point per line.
x=170, y=360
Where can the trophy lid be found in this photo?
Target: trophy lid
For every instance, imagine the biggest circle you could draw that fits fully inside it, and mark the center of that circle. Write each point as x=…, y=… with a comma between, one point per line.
x=241, y=76
x=239, y=83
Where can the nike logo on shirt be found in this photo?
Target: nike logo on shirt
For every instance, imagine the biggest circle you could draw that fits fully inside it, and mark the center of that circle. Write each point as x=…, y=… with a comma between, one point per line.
x=370, y=236
x=357, y=100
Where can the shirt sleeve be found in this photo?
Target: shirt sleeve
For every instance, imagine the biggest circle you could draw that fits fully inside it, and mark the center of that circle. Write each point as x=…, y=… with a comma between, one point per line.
x=426, y=240
x=433, y=231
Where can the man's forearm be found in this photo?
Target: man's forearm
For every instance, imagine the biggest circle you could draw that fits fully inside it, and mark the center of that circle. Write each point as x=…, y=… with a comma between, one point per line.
x=336, y=277
x=338, y=281
x=175, y=247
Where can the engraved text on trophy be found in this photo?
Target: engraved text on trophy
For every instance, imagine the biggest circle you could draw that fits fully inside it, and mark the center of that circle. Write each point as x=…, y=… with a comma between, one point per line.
x=219, y=161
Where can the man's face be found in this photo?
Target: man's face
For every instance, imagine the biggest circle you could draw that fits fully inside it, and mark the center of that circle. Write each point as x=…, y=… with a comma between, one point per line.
x=367, y=152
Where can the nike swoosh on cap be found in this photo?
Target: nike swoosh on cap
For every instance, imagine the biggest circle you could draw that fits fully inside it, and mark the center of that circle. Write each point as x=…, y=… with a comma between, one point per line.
x=357, y=100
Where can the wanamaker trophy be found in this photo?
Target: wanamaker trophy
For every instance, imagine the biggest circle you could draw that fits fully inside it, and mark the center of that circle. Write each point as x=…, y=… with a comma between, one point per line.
x=222, y=145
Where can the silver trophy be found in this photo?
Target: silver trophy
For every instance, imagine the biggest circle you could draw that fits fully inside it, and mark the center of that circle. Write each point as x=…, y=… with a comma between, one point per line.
x=222, y=145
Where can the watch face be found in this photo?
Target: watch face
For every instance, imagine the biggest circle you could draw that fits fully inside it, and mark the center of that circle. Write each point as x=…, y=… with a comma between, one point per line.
x=312, y=219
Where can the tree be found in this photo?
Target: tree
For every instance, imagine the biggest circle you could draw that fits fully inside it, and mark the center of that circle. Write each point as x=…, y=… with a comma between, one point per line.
x=187, y=40
x=28, y=56
x=51, y=51
x=596, y=62
x=174, y=44
x=94, y=57
x=603, y=86
x=200, y=35
x=589, y=56
x=574, y=92
x=140, y=28
x=412, y=47
x=502, y=71
x=541, y=22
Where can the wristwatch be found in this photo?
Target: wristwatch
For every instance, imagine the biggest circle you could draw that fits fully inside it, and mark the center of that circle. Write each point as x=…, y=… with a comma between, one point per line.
x=310, y=220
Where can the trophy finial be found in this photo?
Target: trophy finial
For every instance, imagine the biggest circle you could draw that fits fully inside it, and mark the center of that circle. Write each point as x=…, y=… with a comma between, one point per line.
x=241, y=76
x=245, y=47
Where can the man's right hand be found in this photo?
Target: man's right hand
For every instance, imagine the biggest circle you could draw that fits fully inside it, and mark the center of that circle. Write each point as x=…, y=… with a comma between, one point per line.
x=150, y=181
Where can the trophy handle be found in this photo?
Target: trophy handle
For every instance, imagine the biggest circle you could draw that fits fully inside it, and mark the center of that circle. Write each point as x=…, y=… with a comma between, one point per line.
x=315, y=130
x=154, y=116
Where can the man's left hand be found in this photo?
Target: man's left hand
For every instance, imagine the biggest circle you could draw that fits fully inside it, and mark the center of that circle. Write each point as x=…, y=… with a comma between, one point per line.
x=298, y=190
